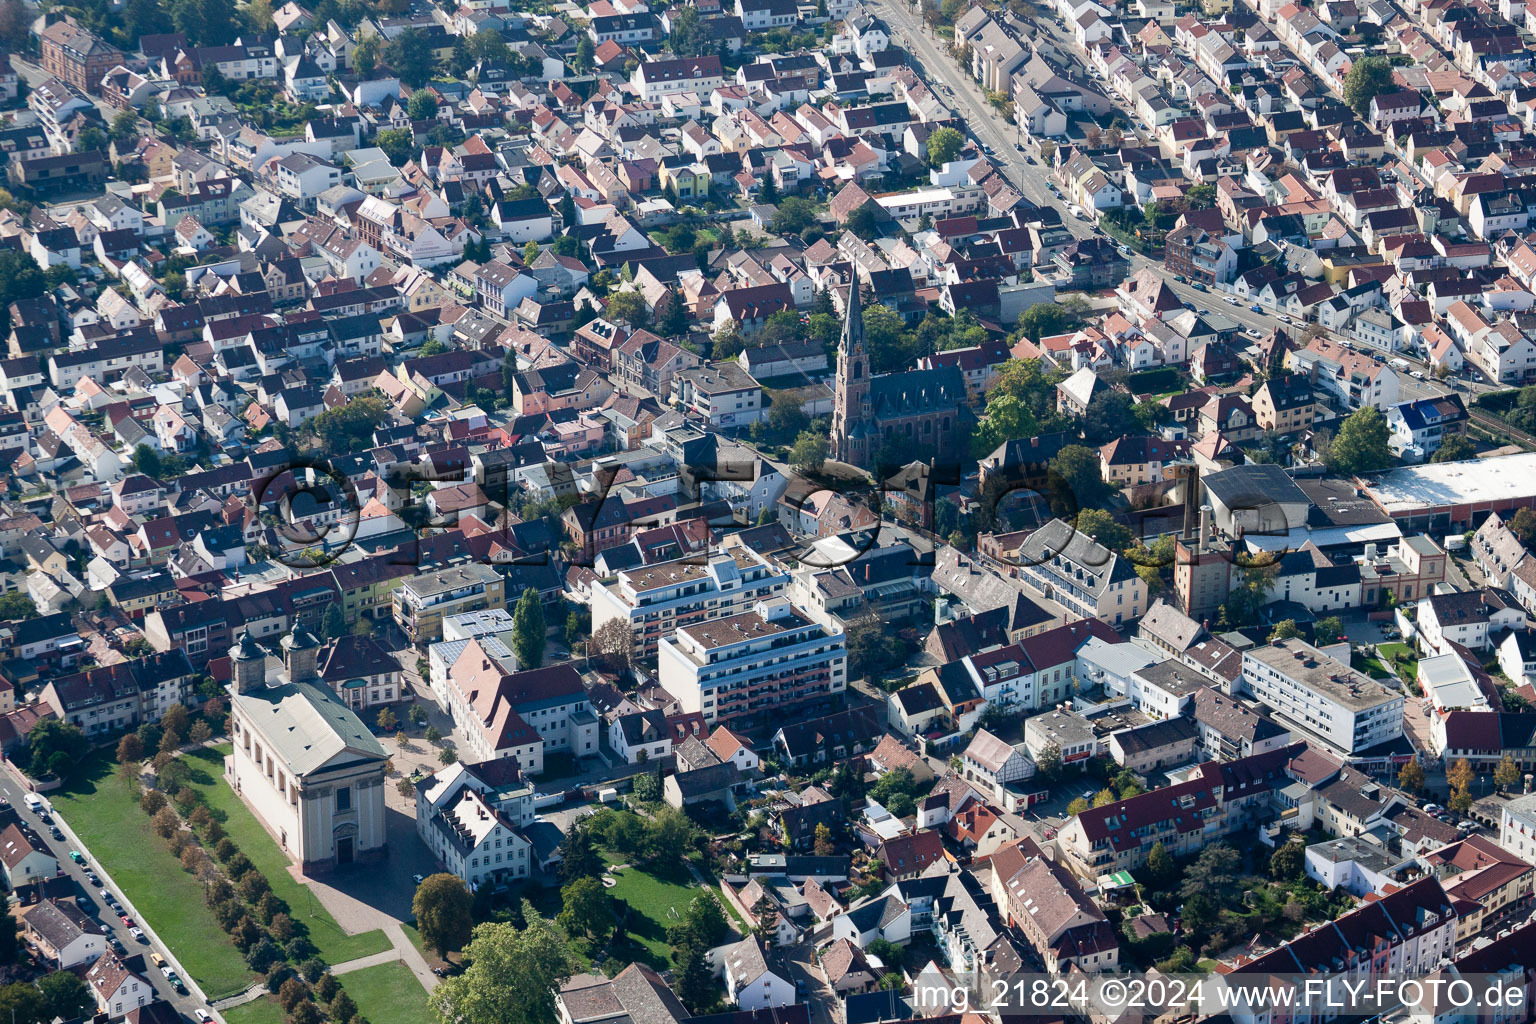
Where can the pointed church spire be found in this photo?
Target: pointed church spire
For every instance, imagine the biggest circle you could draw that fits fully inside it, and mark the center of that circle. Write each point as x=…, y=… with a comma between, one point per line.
x=853, y=318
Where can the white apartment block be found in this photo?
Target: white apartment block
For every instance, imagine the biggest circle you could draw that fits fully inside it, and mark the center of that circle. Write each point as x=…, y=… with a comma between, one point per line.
x=766, y=660
x=654, y=600
x=1325, y=697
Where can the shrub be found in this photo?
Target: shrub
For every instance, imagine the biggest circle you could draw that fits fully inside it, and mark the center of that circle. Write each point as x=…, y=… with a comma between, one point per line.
x=269, y=905
x=166, y=823
x=279, y=975
x=292, y=993
x=300, y=948
x=253, y=886
x=219, y=891
x=237, y=866
x=263, y=955
x=342, y=1007
x=246, y=934
x=228, y=914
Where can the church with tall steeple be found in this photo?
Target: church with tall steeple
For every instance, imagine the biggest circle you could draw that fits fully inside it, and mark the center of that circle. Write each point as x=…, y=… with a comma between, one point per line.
x=924, y=412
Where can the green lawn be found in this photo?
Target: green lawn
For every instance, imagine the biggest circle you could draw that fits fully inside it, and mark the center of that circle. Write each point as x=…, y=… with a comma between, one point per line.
x=1363, y=661
x=335, y=945
x=1409, y=669
x=387, y=994
x=655, y=898
x=118, y=834
x=259, y=1011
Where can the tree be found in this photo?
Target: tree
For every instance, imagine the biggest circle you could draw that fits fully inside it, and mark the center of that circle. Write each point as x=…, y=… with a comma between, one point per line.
x=705, y=919
x=1361, y=443
x=1285, y=629
x=1506, y=774
x=1368, y=78
x=422, y=105
x=20, y=277
x=1214, y=871
x=201, y=732
x=397, y=143
x=410, y=54
x=793, y=215
x=1456, y=448
x=23, y=1002
x=1074, y=480
x=341, y=1007
x=1329, y=630
x=1459, y=775
x=810, y=451
x=586, y=909
x=1288, y=862
x=614, y=643
x=695, y=981
x=580, y=857
x=1160, y=866
x=669, y=836
x=647, y=787
x=1411, y=776
x=387, y=720
x=1461, y=800
x=1043, y=319
x=1076, y=807
x=129, y=750
x=1200, y=197
x=66, y=995
x=824, y=847
x=17, y=605
x=944, y=145
x=1104, y=528
x=166, y=823
x=512, y=976
x=628, y=307
x=1049, y=764
x=529, y=633
x=442, y=906
x=333, y=623
x=1104, y=796
x=671, y=314
x=56, y=747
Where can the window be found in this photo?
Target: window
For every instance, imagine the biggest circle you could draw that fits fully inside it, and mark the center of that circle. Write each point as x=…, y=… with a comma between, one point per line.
x=344, y=798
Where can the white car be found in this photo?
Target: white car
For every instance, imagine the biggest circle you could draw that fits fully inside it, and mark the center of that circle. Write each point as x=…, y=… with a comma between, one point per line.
x=1230, y=300
x=203, y=1016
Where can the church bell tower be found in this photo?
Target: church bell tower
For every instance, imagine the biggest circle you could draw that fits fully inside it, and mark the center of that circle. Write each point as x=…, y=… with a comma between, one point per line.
x=851, y=410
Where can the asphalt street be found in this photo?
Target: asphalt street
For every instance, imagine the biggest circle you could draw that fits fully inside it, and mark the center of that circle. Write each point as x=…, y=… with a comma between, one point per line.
x=187, y=1003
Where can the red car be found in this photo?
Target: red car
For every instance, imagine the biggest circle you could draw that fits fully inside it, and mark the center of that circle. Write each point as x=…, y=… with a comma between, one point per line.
x=127, y=921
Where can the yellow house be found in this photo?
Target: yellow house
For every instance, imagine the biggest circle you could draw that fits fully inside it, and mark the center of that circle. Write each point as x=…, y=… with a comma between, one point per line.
x=367, y=587
x=687, y=182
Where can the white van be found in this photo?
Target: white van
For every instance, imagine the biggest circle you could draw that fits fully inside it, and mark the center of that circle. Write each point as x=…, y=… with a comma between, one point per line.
x=1398, y=364
x=34, y=802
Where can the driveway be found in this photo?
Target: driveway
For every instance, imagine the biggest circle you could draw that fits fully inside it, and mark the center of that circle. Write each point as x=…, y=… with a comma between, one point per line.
x=826, y=1007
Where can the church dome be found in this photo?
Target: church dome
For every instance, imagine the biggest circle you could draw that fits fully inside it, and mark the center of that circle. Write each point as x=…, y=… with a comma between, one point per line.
x=247, y=649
